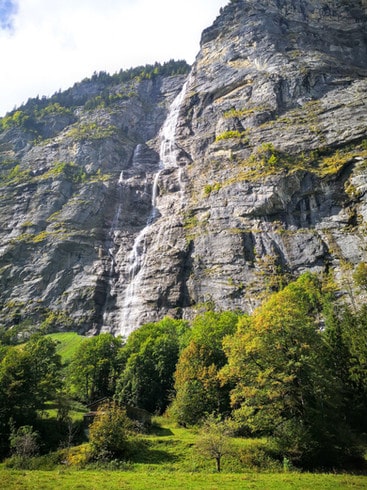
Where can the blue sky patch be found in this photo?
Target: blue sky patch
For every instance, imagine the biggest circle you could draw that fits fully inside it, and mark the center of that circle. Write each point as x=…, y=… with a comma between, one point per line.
x=7, y=10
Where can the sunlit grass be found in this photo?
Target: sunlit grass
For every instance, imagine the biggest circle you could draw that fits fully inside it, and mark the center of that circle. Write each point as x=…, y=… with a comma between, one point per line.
x=67, y=344
x=166, y=458
x=156, y=480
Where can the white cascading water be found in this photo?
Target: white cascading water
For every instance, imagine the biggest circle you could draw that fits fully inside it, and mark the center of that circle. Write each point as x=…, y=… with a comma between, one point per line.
x=137, y=257
x=110, y=248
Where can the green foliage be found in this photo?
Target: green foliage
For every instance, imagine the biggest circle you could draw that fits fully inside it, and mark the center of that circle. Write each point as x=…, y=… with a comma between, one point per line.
x=29, y=376
x=24, y=442
x=53, y=109
x=346, y=337
x=271, y=273
x=284, y=385
x=198, y=390
x=360, y=275
x=191, y=220
x=324, y=162
x=148, y=478
x=68, y=170
x=214, y=440
x=267, y=156
x=293, y=371
x=53, y=319
x=108, y=434
x=94, y=368
x=35, y=110
x=241, y=113
x=72, y=172
x=327, y=161
x=17, y=175
x=67, y=343
x=333, y=163
x=15, y=119
x=240, y=135
x=91, y=131
x=45, y=462
x=150, y=357
x=260, y=455
x=209, y=188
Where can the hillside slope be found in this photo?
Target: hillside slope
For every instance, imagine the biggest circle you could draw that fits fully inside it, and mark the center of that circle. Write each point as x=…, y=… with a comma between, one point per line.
x=168, y=199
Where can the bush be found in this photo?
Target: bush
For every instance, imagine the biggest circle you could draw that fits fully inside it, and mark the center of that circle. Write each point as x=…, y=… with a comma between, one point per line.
x=24, y=442
x=108, y=434
x=260, y=456
x=46, y=462
x=360, y=275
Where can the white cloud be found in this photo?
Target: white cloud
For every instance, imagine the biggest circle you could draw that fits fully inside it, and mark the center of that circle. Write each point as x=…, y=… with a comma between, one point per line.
x=58, y=42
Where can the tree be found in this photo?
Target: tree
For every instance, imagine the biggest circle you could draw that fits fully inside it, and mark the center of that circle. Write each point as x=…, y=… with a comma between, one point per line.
x=24, y=442
x=213, y=440
x=44, y=368
x=29, y=376
x=346, y=338
x=150, y=357
x=108, y=434
x=198, y=388
x=94, y=368
x=283, y=384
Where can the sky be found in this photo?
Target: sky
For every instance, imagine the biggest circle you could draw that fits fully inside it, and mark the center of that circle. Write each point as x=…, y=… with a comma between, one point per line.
x=47, y=45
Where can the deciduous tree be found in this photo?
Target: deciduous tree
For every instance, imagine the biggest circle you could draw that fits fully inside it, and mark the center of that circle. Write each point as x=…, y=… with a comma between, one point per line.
x=94, y=368
x=214, y=440
x=283, y=383
x=198, y=389
x=150, y=357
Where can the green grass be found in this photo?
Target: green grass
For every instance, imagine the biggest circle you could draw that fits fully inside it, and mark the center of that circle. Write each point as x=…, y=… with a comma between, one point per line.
x=166, y=459
x=68, y=343
x=148, y=480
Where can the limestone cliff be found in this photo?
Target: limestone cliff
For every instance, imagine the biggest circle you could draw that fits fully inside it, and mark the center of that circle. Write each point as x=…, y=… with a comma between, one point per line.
x=213, y=191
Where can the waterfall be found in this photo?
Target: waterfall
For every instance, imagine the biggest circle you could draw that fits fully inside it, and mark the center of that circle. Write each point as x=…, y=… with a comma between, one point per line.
x=154, y=214
x=129, y=320
x=168, y=148
x=110, y=248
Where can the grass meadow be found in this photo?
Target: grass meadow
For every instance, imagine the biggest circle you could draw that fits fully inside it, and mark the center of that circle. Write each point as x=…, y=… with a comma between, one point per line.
x=67, y=479
x=166, y=458
x=67, y=344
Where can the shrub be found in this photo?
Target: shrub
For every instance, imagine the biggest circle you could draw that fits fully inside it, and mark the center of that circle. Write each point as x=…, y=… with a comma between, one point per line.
x=108, y=434
x=16, y=119
x=259, y=456
x=242, y=135
x=209, y=188
x=360, y=275
x=24, y=445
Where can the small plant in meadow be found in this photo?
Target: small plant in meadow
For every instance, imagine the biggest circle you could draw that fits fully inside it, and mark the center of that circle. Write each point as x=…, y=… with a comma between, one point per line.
x=24, y=445
x=214, y=440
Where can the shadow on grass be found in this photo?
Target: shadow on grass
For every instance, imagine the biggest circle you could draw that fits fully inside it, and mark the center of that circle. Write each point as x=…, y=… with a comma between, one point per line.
x=156, y=430
x=143, y=452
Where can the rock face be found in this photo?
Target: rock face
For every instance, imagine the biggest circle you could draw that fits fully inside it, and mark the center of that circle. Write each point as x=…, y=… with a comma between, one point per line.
x=210, y=192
